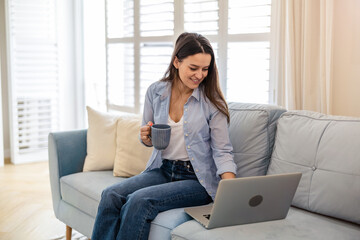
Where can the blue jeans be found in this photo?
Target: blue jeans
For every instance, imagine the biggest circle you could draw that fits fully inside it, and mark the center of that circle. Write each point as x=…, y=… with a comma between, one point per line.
x=127, y=208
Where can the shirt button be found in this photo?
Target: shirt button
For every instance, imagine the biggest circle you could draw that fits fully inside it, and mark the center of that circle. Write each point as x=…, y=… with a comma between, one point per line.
x=201, y=181
x=185, y=109
x=186, y=134
x=192, y=158
x=197, y=170
x=188, y=146
x=185, y=121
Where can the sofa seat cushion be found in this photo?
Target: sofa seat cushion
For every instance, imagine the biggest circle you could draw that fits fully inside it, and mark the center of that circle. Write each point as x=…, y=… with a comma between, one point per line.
x=165, y=222
x=83, y=190
x=299, y=224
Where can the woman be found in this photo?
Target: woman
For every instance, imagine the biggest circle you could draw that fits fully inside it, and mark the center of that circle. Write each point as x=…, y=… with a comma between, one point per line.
x=199, y=154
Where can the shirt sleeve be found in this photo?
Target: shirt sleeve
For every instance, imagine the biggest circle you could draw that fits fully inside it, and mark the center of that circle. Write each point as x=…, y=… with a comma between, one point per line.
x=222, y=149
x=148, y=112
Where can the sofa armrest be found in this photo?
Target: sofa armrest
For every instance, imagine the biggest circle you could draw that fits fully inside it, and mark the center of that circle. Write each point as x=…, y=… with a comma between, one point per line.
x=67, y=152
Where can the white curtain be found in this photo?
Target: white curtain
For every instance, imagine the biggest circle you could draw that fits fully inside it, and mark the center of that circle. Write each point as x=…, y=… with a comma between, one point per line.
x=302, y=51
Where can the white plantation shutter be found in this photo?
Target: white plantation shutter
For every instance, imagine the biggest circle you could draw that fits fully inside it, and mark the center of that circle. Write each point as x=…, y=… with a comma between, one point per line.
x=156, y=24
x=120, y=74
x=139, y=46
x=156, y=17
x=140, y=35
x=34, y=96
x=248, y=72
x=154, y=60
x=248, y=51
x=249, y=16
x=120, y=18
x=201, y=16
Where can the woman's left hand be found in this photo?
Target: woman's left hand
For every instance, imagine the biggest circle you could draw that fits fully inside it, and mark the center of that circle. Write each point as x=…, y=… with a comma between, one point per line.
x=227, y=175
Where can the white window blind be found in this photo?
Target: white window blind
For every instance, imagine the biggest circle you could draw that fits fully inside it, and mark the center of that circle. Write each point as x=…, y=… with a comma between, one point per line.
x=156, y=17
x=201, y=16
x=248, y=51
x=121, y=74
x=120, y=18
x=248, y=72
x=136, y=55
x=249, y=16
x=34, y=102
x=140, y=35
x=154, y=60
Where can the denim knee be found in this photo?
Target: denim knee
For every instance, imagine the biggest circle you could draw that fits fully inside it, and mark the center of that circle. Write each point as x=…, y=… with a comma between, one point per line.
x=110, y=198
x=137, y=200
x=107, y=192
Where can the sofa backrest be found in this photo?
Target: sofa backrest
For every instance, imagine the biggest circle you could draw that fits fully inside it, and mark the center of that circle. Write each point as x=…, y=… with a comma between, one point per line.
x=252, y=131
x=326, y=150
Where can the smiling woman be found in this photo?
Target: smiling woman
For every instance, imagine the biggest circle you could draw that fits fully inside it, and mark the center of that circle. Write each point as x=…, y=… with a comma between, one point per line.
x=188, y=171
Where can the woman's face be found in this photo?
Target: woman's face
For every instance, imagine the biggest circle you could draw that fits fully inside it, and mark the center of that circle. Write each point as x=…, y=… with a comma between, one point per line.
x=193, y=69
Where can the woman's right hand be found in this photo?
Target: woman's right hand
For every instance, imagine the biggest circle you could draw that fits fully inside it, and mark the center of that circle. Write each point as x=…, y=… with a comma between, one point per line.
x=145, y=132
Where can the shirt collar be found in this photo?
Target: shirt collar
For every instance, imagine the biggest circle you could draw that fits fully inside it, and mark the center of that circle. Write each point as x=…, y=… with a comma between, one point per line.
x=196, y=94
x=165, y=91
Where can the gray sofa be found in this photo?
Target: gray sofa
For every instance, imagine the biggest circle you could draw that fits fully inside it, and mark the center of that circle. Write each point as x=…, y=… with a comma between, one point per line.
x=266, y=140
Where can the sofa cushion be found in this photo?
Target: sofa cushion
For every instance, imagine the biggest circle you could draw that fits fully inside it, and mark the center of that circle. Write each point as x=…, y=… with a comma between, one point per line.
x=83, y=191
x=131, y=156
x=252, y=131
x=165, y=222
x=101, y=141
x=299, y=224
x=326, y=150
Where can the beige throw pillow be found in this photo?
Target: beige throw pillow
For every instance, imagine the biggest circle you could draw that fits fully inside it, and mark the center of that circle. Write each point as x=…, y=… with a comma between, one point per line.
x=101, y=141
x=131, y=156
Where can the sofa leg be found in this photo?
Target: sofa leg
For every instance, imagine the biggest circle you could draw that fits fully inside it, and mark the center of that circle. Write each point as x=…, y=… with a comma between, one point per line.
x=68, y=232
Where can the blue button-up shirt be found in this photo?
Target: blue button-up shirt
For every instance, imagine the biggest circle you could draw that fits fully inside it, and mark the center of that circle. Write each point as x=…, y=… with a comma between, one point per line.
x=205, y=132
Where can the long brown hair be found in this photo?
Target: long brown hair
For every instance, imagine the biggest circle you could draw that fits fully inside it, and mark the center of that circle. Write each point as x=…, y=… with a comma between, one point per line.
x=189, y=44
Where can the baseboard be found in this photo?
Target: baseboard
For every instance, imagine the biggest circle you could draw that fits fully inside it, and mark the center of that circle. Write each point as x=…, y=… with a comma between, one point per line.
x=23, y=158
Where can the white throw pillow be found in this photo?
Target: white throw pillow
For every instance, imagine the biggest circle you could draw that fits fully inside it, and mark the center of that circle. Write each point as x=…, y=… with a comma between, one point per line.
x=131, y=156
x=101, y=141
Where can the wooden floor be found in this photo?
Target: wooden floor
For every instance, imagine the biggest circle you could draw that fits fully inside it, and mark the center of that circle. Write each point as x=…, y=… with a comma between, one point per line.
x=25, y=204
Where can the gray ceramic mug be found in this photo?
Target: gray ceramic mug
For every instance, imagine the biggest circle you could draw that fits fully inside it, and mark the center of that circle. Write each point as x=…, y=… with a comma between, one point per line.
x=160, y=136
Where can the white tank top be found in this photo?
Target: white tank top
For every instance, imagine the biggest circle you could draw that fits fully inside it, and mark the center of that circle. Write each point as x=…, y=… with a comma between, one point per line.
x=176, y=149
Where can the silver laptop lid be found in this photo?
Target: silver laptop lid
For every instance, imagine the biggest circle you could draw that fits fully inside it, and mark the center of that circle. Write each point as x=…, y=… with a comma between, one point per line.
x=253, y=199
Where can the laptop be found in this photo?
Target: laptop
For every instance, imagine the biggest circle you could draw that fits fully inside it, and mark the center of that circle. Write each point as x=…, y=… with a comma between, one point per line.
x=248, y=200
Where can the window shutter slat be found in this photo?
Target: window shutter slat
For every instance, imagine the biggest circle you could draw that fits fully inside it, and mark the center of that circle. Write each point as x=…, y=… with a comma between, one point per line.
x=154, y=60
x=120, y=72
x=120, y=18
x=156, y=17
x=201, y=16
x=249, y=16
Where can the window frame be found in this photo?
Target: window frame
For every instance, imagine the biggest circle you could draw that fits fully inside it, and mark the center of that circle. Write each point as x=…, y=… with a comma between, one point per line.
x=222, y=39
